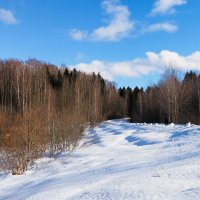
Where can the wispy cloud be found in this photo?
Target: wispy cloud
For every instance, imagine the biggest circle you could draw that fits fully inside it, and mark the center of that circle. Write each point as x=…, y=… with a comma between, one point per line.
x=7, y=16
x=165, y=26
x=78, y=34
x=119, y=26
x=80, y=57
x=153, y=62
x=166, y=6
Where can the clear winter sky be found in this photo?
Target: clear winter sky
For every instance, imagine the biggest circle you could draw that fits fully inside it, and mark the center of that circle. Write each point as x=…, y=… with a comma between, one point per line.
x=127, y=41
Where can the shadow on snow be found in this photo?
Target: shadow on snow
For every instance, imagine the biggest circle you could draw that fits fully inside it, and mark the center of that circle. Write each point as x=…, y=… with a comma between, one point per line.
x=139, y=142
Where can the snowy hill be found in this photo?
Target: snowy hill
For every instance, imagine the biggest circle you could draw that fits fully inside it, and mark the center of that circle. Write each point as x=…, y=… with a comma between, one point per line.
x=117, y=160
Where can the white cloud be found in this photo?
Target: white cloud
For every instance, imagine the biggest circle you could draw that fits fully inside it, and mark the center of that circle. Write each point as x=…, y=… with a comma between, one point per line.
x=153, y=62
x=167, y=27
x=7, y=17
x=166, y=6
x=184, y=63
x=119, y=26
x=77, y=34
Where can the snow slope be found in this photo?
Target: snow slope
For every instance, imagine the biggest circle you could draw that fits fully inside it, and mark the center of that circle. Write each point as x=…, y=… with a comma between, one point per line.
x=117, y=160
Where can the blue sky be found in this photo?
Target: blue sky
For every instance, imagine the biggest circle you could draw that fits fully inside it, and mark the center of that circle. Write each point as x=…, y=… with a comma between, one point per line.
x=127, y=41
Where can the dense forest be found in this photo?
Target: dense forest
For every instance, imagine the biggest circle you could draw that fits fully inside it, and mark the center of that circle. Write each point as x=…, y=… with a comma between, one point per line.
x=45, y=108
x=172, y=100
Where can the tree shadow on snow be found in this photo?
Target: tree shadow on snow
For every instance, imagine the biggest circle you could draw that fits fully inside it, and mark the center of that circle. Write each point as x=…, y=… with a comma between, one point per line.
x=92, y=138
x=181, y=133
x=139, y=142
x=113, y=131
x=122, y=124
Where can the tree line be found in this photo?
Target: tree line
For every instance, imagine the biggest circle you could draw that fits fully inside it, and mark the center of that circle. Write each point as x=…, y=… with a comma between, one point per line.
x=172, y=100
x=44, y=108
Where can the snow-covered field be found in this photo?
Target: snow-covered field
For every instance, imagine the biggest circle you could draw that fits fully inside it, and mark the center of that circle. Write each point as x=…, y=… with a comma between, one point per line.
x=117, y=160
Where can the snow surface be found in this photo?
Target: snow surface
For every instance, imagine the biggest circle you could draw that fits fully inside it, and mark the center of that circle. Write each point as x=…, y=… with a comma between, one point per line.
x=117, y=160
